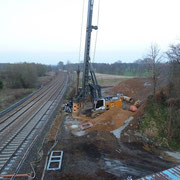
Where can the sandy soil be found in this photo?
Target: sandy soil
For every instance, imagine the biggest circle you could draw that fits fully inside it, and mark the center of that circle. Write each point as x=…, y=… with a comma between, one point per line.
x=107, y=121
x=138, y=88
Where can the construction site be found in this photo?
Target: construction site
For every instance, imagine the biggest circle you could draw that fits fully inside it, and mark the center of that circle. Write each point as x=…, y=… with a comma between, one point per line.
x=86, y=125
x=97, y=131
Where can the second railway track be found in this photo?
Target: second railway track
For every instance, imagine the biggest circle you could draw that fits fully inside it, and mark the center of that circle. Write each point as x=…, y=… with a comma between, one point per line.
x=17, y=130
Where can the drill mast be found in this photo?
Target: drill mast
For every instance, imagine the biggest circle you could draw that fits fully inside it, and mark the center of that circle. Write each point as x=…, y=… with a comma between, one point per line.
x=90, y=86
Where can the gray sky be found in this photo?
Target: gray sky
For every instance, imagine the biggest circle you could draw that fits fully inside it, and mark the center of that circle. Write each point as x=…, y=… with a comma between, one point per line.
x=48, y=31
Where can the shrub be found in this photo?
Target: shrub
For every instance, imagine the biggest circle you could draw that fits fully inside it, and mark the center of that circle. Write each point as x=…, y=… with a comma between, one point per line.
x=23, y=75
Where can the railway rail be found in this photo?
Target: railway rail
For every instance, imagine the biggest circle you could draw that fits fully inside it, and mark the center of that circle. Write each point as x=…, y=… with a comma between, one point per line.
x=19, y=127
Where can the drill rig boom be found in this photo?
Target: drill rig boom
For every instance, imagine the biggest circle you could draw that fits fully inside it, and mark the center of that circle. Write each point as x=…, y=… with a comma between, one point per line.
x=90, y=87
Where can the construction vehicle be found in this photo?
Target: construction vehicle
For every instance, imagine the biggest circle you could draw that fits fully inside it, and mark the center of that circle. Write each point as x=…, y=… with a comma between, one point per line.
x=89, y=97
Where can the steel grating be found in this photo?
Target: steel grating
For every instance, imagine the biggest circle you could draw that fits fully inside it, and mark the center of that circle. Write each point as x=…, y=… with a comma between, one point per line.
x=55, y=160
x=169, y=174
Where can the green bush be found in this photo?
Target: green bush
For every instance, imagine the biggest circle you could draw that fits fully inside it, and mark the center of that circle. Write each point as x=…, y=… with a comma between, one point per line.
x=23, y=75
x=155, y=119
x=155, y=124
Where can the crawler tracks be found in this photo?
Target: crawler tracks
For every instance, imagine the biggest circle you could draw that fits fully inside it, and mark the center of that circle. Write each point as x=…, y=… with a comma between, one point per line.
x=19, y=127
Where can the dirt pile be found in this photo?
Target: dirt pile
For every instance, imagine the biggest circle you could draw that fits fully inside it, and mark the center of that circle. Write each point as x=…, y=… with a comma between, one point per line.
x=116, y=117
x=131, y=87
x=108, y=121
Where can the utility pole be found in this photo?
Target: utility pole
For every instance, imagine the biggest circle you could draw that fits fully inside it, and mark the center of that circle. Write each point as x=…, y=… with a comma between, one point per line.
x=86, y=69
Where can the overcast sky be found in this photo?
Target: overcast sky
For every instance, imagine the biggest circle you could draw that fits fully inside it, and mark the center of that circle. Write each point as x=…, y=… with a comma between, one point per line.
x=48, y=31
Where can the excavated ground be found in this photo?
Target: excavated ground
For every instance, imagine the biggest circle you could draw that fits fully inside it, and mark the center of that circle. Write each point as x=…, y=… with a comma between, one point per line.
x=99, y=152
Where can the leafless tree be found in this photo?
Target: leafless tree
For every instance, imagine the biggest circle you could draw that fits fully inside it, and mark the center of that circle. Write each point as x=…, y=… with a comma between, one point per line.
x=154, y=58
x=174, y=53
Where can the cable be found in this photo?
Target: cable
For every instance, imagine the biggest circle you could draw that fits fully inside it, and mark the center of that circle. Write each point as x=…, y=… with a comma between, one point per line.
x=55, y=143
x=81, y=30
x=94, y=53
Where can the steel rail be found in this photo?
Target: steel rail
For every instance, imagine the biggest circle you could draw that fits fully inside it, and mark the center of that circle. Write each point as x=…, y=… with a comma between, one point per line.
x=28, y=101
x=24, y=137
x=34, y=114
x=22, y=101
x=53, y=98
x=29, y=120
x=37, y=99
x=21, y=105
x=34, y=139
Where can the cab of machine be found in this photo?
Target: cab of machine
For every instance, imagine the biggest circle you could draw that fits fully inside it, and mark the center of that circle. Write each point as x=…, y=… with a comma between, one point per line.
x=100, y=104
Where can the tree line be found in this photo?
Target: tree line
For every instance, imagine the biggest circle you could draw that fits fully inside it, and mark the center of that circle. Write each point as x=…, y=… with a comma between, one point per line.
x=117, y=68
x=21, y=75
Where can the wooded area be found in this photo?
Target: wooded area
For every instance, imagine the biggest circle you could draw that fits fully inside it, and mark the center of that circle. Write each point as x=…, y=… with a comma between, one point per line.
x=21, y=75
x=117, y=68
x=162, y=115
x=174, y=96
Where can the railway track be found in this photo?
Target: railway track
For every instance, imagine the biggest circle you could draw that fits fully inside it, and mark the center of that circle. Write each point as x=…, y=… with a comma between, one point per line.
x=19, y=127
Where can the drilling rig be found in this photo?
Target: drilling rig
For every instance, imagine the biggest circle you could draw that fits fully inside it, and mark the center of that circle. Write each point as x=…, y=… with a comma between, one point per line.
x=90, y=93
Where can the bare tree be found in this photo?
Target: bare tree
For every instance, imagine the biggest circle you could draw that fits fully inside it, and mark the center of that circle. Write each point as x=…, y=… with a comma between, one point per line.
x=173, y=55
x=154, y=58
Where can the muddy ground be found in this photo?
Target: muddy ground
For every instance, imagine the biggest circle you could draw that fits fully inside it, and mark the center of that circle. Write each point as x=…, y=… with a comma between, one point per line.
x=98, y=152
x=100, y=155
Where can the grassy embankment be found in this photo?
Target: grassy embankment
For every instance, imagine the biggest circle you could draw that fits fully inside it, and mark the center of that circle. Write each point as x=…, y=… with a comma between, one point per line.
x=11, y=96
x=155, y=125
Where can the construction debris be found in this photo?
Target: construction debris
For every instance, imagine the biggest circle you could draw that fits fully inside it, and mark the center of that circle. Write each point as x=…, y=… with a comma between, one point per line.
x=55, y=160
x=133, y=108
x=13, y=175
x=86, y=125
x=137, y=103
x=128, y=99
x=118, y=131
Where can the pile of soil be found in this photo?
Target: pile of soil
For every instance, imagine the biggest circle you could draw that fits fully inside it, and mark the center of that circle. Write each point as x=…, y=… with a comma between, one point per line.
x=138, y=88
x=131, y=87
x=109, y=120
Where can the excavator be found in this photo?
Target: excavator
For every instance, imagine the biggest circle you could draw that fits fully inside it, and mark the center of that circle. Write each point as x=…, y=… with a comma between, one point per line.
x=89, y=97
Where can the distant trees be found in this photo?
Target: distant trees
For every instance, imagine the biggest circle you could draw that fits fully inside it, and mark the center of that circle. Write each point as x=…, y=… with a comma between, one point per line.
x=117, y=68
x=22, y=75
x=60, y=65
